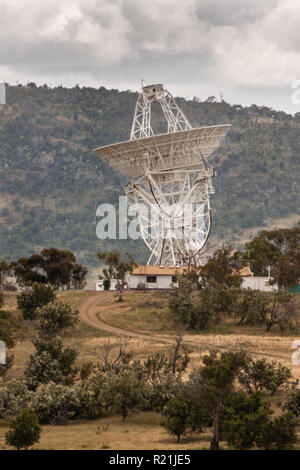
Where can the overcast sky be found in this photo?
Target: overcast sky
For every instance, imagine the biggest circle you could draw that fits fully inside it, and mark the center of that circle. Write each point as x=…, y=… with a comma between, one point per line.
x=247, y=49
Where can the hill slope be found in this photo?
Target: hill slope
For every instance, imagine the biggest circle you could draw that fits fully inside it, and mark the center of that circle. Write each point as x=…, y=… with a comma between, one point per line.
x=51, y=182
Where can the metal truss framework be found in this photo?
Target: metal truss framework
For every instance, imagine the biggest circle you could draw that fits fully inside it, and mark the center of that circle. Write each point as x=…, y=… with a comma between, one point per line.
x=171, y=183
x=141, y=126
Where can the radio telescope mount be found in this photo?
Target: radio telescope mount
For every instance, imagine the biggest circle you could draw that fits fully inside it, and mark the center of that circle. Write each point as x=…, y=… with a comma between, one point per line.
x=170, y=179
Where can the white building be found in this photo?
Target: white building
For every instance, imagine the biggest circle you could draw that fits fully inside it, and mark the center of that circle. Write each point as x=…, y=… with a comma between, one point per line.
x=156, y=277
x=258, y=283
x=153, y=277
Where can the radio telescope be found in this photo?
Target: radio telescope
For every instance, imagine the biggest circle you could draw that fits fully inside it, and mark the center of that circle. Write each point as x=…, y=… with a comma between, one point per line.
x=170, y=180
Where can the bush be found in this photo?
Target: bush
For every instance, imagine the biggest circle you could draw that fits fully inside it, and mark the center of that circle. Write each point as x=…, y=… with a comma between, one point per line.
x=93, y=395
x=106, y=284
x=55, y=316
x=51, y=363
x=264, y=376
x=292, y=402
x=38, y=296
x=201, y=309
x=178, y=414
x=124, y=393
x=251, y=307
x=25, y=430
x=13, y=398
x=280, y=434
x=243, y=420
x=245, y=423
x=54, y=403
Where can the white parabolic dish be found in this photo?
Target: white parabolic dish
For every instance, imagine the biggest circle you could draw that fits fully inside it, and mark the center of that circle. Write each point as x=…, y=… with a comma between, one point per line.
x=163, y=152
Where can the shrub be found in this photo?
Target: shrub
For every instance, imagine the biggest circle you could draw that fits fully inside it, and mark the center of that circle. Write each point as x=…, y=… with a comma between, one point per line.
x=37, y=296
x=55, y=316
x=50, y=363
x=13, y=398
x=243, y=420
x=54, y=403
x=264, y=376
x=124, y=392
x=25, y=430
x=178, y=414
x=106, y=284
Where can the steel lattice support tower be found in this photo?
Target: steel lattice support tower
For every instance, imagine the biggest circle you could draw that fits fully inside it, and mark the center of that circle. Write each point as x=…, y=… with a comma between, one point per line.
x=170, y=182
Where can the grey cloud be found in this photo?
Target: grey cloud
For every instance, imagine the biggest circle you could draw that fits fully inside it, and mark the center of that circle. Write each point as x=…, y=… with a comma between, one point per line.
x=196, y=46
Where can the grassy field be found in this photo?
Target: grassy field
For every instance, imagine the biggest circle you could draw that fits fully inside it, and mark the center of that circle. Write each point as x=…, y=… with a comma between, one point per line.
x=140, y=312
x=148, y=312
x=140, y=431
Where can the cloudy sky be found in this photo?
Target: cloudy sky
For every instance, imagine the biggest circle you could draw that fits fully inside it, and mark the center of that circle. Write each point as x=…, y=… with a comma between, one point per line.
x=248, y=50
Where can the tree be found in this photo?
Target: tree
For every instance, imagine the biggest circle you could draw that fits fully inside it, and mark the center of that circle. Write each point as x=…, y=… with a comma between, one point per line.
x=177, y=414
x=7, y=326
x=50, y=363
x=53, y=266
x=221, y=269
x=78, y=276
x=213, y=383
x=36, y=296
x=279, y=434
x=125, y=392
x=25, y=430
x=179, y=360
x=59, y=266
x=286, y=274
x=116, y=267
x=261, y=254
x=281, y=312
x=161, y=383
x=54, y=403
x=269, y=249
x=29, y=270
x=106, y=284
x=93, y=395
x=56, y=316
x=263, y=375
x=14, y=397
x=203, y=308
x=292, y=402
x=5, y=269
x=243, y=420
x=251, y=307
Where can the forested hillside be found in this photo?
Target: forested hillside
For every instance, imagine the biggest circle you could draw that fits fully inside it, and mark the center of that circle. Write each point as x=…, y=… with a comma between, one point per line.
x=51, y=182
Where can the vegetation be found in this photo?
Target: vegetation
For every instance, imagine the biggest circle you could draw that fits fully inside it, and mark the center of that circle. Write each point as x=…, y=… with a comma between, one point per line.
x=55, y=267
x=116, y=268
x=51, y=181
x=37, y=296
x=25, y=430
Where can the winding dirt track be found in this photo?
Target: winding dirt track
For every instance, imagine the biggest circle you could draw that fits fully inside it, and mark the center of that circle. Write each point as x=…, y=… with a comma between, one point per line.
x=90, y=314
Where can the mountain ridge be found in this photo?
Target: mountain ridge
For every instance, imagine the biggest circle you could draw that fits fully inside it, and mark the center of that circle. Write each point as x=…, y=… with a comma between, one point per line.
x=51, y=182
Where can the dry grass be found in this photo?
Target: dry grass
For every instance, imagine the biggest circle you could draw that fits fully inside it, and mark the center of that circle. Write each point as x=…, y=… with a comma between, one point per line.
x=141, y=312
x=140, y=431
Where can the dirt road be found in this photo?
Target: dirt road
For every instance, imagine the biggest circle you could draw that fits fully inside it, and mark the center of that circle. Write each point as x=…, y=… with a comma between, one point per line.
x=271, y=347
x=92, y=306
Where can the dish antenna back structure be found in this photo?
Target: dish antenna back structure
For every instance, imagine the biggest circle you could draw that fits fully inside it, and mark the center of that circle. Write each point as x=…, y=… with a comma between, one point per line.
x=170, y=180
